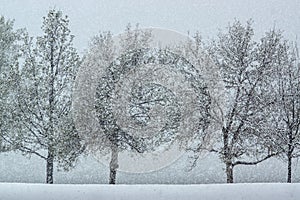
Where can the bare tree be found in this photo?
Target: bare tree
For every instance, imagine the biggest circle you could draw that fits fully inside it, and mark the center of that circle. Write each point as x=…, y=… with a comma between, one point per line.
x=285, y=115
x=245, y=66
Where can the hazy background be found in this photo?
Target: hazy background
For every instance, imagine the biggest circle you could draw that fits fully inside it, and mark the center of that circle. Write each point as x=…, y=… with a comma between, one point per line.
x=88, y=17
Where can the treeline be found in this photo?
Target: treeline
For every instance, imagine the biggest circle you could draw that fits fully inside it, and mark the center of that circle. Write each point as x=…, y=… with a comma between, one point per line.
x=252, y=98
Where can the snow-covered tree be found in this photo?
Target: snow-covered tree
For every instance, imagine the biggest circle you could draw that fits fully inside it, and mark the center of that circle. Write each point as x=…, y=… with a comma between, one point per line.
x=102, y=52
x=145, y=99
x=245, y=68
x=285, y=115
x=9, y=54
x=45, y=125
x=134, y=40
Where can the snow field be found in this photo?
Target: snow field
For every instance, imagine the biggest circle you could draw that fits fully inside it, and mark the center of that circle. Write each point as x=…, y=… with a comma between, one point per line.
x=273, y=191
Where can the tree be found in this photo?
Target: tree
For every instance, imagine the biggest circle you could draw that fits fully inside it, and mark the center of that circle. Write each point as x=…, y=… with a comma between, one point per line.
x=132, y=41
x=141, y=99
x=45, y=126
x=245, y=68
x=285, y=118
x=9, y=54
x=102, y=52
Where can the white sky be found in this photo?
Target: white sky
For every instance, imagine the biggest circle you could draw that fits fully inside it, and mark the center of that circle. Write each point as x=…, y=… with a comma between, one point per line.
x=88, y=17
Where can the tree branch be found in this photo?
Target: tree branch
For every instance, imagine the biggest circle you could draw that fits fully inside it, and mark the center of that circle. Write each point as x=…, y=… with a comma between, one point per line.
x=254, y=162
x=24, y=149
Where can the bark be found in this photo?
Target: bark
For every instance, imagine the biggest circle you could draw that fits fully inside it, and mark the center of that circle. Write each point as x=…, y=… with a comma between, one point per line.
x=49, y=167
x=289, y=156
x=289, y=177
x=229, y=172
x=113, y=166
x=227, y=157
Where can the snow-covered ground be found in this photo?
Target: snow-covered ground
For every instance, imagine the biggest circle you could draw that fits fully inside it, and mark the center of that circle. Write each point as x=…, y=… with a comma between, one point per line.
x=18, y=191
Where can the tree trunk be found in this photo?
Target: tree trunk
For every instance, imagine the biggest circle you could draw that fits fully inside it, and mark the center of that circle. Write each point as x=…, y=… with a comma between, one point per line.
x=113, y=166
x=227, y=156
x=289, y=156
x=49, y=167
x=289, y=177
x=50, y=157
x=229, y=172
